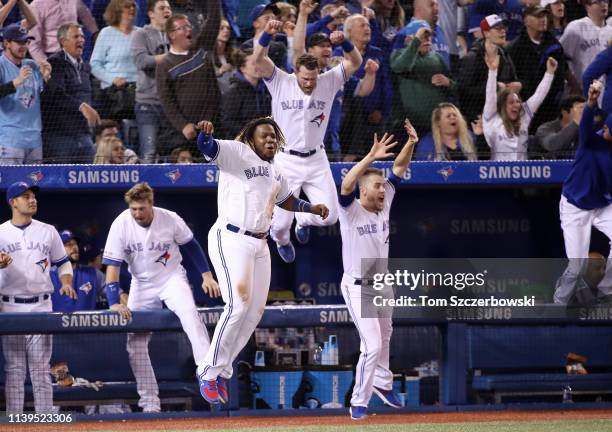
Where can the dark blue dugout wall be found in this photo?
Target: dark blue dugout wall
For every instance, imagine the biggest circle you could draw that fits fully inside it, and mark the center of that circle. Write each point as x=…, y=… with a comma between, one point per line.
x=453, y=221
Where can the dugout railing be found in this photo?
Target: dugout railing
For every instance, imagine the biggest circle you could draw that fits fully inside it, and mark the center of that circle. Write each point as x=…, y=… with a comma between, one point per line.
x=93, y=345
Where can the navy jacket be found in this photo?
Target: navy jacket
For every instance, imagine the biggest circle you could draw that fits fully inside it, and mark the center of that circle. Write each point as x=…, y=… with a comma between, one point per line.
x=87, y=286
x=67, y=89
x=589, y=183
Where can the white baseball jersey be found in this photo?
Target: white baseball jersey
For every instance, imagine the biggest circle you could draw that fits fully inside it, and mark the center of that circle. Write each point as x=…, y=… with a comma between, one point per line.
x=303, y=118
x=152, y=252
x=582, y=40
x=365, y=234
x=249, y=187
x=506, y=146
x=34, y=250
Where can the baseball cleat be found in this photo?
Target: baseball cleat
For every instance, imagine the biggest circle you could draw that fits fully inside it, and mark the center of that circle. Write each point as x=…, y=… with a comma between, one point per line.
x=222, y=390
x=286, y=252
x=388, y=397
x=302, y=234
x=358, y=412
x=208, y=390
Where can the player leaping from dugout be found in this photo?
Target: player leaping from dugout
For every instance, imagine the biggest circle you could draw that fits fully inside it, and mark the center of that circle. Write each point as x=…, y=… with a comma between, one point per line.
x=249, y=188
x=301, y=103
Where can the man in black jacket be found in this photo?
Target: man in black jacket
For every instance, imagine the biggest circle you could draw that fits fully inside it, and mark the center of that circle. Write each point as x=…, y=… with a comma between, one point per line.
x=529, y=52
x=67, y=102
x=247, y=98
x=474, y=71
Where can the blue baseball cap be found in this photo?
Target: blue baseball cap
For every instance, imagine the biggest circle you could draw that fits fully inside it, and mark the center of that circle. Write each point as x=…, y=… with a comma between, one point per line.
x=413, y=26
x=14, y=32
x=67, y=235
x=18, y=188
x=259, y=10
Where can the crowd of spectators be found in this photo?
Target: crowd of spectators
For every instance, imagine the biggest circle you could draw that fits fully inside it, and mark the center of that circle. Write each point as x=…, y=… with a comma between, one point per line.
x=161, y=66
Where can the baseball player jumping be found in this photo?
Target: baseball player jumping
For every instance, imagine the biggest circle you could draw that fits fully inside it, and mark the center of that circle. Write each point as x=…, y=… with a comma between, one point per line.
x=364, y=227
x=301, y=104
x=250, y=185
x=586, y=197
x=148, y=238
x=28, y=249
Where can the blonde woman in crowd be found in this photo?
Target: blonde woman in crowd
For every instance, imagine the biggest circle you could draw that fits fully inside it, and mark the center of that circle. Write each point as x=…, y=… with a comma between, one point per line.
x=450, y=138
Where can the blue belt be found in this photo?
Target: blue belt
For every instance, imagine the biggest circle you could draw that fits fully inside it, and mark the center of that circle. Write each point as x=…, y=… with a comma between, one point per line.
x=36, y=299
x=301, y=154
x=234, y=228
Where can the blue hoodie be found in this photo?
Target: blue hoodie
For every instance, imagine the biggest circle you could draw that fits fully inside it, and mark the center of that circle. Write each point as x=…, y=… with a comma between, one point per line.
x=589, y=183
x=602, y=65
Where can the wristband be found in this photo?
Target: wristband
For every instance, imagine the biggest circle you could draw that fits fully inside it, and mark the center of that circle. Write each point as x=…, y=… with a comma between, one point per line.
x=264, y=39
x=347, y=46
x=112, y=293
x=302, y=206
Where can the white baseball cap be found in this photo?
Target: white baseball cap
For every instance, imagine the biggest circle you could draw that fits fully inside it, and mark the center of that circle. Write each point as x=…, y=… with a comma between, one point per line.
x=544, y=3
x=491, y=21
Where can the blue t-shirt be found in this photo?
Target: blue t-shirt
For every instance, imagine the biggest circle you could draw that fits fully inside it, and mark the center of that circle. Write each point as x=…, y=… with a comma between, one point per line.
x=20, y=120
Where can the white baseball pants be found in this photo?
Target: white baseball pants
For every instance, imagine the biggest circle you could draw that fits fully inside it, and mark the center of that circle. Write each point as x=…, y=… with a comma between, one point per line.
x=576, y=224
x=242, y=264
x=177, y=295
x=313, y=175
x=375, y=333
x=35, y=350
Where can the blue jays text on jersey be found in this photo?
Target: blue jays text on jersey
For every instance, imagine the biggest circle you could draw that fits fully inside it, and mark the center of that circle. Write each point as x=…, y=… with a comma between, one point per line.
x=14, y=247
x=154, y=246
x=299, y=104
x=259, y=171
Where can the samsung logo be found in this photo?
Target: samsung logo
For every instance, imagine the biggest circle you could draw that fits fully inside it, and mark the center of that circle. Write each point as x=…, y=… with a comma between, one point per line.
x=489, y=226
x=103, y=177
x=515, y=172
x=341, y=316
x=93, y=320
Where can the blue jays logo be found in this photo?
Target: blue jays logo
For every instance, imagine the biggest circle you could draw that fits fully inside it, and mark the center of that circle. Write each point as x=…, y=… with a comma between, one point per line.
x=36, y=176
x=86, y=287
x=174, y=175
x=163, y=259
x=318, y=120
x=27, y=99
x=43, y=264
x=446, y=172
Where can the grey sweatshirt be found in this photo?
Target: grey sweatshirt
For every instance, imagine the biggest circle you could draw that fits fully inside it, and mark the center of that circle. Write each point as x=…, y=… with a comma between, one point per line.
x=146, y=44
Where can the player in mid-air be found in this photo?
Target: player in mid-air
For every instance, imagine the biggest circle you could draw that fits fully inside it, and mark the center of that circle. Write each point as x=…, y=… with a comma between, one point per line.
x=151, y=239
x=28, y=250
x=586, y=197
x=250, y=186
x=364, y=227
x=301, y=104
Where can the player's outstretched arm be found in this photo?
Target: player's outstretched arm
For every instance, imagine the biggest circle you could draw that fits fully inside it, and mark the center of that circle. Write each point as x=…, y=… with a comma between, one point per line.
x=112, y=291
x=260, y=48
x=405, y=155
x=380, y=150
x=298, y=205
x=352, y=57
x=206, y=142
x=299, y=33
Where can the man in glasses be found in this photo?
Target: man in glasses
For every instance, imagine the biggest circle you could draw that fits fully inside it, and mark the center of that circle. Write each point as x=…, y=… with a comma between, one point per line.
x=21, y=82
x=186, y=80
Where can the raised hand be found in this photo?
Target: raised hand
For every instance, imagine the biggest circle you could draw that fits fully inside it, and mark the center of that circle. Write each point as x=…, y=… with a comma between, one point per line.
x=381, y=148
x=273, y=27
x=336, y=37
x=477, y=126
x=371, y=66
x=551, y=65
x=308, y=6
x=594, y=91
x=413, y=137
x=206, y=127
x=24, y=73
